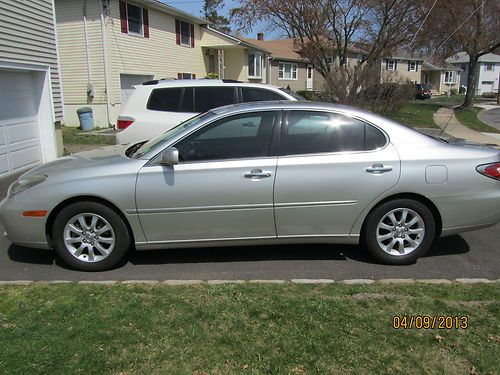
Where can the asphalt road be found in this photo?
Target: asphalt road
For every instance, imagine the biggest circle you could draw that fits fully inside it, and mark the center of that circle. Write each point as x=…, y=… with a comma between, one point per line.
x=472, y=254
x=491, y=117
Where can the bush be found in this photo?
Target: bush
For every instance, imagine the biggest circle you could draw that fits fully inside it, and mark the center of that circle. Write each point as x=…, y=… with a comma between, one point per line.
x=212, y=76
x=489, y=95
x=386, y=98
x=308, y=95
x=453, y=91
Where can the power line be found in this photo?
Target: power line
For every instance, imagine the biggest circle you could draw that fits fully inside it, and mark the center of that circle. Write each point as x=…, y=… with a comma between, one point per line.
x=463, y=23
x=421, y=25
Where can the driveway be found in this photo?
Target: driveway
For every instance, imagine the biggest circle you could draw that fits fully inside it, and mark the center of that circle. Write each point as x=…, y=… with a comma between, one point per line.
x=491, y=117
x=472, y=254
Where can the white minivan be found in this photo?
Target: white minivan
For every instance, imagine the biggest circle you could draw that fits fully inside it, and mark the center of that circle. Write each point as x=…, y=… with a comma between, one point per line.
x=157, y=106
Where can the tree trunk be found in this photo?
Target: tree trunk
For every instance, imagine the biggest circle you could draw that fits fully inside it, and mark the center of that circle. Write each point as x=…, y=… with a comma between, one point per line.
x=471, y=82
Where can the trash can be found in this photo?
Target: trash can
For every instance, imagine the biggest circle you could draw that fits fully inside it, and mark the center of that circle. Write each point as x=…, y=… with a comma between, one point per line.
x=86, y=118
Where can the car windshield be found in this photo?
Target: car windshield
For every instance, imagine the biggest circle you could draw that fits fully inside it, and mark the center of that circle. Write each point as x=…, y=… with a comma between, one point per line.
x=151, y=144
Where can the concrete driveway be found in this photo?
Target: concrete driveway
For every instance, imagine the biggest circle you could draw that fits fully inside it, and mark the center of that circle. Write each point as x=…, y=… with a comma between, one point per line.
x=491, y=117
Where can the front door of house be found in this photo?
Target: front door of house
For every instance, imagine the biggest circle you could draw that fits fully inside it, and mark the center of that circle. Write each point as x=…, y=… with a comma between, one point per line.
x=309, y=81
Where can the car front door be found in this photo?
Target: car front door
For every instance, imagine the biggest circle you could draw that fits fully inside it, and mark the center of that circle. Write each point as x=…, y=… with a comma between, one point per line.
x=222, y=188
x=330, y=167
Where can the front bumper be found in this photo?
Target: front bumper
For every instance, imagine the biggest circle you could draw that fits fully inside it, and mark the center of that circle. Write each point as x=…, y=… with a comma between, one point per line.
x=20, y=230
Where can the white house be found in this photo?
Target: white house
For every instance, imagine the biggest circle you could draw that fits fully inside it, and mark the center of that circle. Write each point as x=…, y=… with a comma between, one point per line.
x=488, y=72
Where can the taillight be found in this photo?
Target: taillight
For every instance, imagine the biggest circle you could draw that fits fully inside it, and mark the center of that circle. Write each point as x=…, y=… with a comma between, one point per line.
x=123, y=123
x=490, y=170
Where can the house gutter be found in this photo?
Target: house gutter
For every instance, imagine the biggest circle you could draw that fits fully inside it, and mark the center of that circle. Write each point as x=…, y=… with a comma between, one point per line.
x=106, y=83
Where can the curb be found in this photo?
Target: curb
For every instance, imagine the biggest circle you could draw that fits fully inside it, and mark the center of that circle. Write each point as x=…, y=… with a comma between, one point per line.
x=257, y=281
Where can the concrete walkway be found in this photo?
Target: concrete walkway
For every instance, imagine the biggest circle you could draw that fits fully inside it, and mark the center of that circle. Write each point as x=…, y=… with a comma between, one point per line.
x=446, y=120
x=491, y=117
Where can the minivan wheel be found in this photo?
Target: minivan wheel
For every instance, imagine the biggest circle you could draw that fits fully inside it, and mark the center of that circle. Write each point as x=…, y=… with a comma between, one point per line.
x=90, y=236
x=399, y=231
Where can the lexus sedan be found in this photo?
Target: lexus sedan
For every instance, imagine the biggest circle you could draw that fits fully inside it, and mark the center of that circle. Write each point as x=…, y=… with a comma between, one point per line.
x=258, y=173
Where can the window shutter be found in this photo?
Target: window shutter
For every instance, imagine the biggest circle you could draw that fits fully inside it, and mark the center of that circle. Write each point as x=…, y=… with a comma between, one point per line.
x=408, y=65
x=177, y=31
x=123, y=17
x=192, y=35
x=386, y=64
x=179, y=75
x=395, y=64
x=193, y=76
x=416, y=66
x=145, y=21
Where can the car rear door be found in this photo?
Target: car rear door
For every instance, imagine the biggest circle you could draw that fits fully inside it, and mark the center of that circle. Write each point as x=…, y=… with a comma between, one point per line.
x=222, y=188
x=330, y=167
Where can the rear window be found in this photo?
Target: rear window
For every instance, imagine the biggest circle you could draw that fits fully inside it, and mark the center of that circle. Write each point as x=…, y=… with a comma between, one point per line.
x=206, y=98
x=166, y=100
x=252, y=94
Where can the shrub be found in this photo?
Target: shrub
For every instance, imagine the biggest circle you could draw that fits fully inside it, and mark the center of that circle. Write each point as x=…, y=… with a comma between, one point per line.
x=453, y=91
x=308, y=95
x=489, y=95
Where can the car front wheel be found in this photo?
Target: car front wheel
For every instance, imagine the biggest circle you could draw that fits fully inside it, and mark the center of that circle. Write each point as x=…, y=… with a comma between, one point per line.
x=90, y=236
x=399, y=231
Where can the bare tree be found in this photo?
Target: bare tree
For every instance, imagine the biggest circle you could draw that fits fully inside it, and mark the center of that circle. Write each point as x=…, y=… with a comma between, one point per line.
x=472, y=26
x=326, y=30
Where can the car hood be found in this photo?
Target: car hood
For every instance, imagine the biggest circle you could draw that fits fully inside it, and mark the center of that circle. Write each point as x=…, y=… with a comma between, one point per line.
x=101, y=156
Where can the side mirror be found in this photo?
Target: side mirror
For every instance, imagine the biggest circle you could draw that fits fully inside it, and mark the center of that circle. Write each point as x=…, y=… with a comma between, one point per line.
x=170, y=156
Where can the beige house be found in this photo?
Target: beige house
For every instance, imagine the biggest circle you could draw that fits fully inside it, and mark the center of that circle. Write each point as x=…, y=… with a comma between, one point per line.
x=31, y=103
x=442, y=77
x=108, y=46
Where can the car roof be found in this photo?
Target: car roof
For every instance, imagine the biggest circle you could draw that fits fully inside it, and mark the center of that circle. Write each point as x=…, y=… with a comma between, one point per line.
x=202, y=82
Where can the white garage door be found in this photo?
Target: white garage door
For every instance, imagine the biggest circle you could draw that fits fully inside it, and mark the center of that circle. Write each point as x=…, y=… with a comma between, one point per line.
x=19, y=128
x=127, y=83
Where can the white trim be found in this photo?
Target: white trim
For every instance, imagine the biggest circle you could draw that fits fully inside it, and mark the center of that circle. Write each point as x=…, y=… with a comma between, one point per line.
x=282, y=71
x=414, y=69
x=180, y=34
x=142, y=19
x=393, y=65
x=255, y=54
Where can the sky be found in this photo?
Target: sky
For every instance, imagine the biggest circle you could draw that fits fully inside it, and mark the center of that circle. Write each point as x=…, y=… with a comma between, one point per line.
x=194, y=7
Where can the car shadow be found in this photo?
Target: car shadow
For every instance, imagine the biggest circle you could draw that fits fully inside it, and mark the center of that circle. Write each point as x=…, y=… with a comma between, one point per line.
x=452, y=245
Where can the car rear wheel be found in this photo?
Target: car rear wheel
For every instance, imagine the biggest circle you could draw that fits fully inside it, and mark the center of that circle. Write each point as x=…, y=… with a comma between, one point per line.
x=399, y=231
x=90, y=236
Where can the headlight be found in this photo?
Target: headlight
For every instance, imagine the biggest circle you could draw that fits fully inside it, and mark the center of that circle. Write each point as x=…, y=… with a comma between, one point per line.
x=25, y=183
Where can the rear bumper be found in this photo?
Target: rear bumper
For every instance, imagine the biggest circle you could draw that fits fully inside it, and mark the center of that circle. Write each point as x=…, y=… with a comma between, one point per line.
x=20, y=230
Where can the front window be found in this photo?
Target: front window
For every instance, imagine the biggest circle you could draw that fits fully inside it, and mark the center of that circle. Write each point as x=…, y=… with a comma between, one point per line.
x=254, y=65
x=185, y=33
x=134, y=17
x=359, y=58
x=329, y=60
x=287, y=71
x=412, y=66
x=391, y=65
x=242, y=136
x=449, y=77
x=489, y=67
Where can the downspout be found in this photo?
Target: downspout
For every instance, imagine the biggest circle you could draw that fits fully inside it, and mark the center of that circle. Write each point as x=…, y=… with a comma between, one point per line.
x=86, y=40
x=106, y=83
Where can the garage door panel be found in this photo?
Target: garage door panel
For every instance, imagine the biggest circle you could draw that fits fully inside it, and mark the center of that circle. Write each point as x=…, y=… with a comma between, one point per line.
x=24, y=157
x=22, y=132
x=2, y=136
x=4, y=164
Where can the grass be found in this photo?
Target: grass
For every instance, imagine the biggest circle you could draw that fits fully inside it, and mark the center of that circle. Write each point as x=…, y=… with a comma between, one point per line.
x=469, y=118
x=71, y=135
x=417, y=115
x=245, y=329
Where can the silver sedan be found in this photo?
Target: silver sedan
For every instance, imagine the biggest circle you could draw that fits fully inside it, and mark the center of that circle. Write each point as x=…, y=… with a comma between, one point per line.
x=258, y=173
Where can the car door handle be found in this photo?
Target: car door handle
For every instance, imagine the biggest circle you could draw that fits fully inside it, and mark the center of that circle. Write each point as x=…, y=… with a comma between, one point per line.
x=257, y=173
x=378, y=168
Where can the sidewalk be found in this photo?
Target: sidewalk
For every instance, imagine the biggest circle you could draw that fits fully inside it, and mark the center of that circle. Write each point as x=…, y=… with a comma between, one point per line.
x=446, y=120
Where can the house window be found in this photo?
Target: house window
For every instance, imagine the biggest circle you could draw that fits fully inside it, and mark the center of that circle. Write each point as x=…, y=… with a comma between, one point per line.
x=254, y=65
x=287, y=71
x=359, y=58
x=185, y=33
x=391, y=65
x=412, y=66
x=134, y=18
x=489, y=67
x=186, y=76
x=329, y=60
x=449, y=77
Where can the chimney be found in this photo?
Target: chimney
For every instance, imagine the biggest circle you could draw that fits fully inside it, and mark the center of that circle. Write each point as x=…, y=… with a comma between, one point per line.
x=260, y=36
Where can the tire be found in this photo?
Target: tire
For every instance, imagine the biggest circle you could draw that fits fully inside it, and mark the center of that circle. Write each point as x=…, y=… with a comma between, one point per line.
x=85, y=248
x=416, y=239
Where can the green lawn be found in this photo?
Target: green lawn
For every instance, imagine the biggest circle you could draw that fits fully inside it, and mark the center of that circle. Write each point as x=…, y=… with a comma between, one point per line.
x=71, y=135
x=246, y=329
x=417, y=114
x=469, y=118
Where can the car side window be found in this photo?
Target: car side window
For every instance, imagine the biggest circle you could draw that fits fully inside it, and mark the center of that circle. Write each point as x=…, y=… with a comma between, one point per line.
x=310, y=132
x=166, y=100
x=207, y=98
x=252, y=94
x=240, y=136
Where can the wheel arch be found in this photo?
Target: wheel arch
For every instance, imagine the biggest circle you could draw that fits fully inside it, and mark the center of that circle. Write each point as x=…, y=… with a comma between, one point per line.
x=414, y=196
x=84, y=198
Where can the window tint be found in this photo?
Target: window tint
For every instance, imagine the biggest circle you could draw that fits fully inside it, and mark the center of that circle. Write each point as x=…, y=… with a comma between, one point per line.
x=240, y=136
x=167, y=99
x=310, y=132
x=187, y=104
x=251, y=94
x=207, y=98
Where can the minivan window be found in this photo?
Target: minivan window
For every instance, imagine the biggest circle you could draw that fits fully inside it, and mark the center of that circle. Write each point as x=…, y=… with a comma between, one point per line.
x=252, y=94
x=167, y=99
x=206, y=98
x=311, y=132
